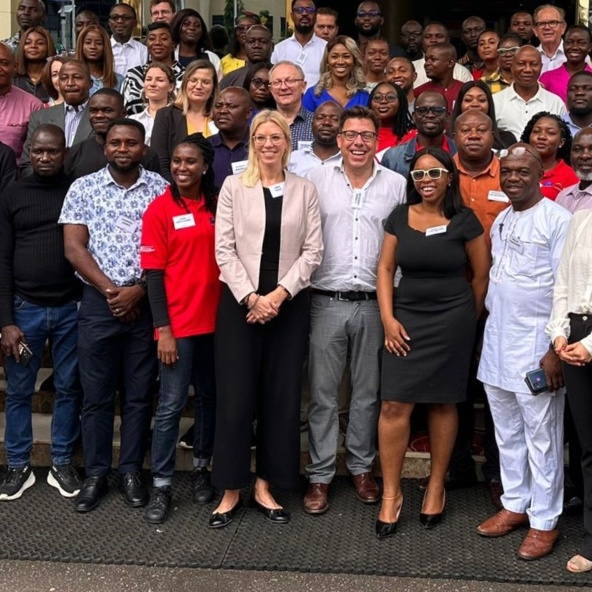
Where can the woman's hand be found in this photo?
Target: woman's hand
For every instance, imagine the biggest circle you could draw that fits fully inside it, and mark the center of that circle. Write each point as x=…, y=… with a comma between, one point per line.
x=278, y=296
x=396, y=338
x=262, y=310
x=575, y=354
x=559, y=345
x=167, y=347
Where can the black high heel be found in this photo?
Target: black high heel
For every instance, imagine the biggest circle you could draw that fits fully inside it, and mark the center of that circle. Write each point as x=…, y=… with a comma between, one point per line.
x=221, y=519
x=384, y=530
x=429, y=521
x=275, y=515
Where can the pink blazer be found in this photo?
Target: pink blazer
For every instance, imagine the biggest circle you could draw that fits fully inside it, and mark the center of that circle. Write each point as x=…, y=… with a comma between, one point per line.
x=240, y=226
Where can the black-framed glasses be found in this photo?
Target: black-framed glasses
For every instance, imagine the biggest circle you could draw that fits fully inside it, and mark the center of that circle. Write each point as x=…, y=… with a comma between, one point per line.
x=550, y=24
x=351, y=135
x=370, y=13
x=388, y=97
x=259, y=82
x=121, y=17
x=435, y=109
x=304, y=10
x=421, y=174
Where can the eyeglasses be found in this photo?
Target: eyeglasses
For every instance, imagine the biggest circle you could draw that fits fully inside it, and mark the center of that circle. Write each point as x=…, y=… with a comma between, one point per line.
x=304, y=9
x=421, y=111
x=121, y=17
x=286, y=81
x=550, y=24
x=259, y=82
x=352, y=135
x=502, y=51
x=276, y=139
x=371, y=13
x=389, y=97
x=421, y=174
x=520, y=151
x=242, y=28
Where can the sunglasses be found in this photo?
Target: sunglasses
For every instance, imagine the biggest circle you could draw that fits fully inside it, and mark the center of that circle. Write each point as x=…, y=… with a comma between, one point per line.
x=370, y=13
x=421, y=174
x=305, y=9
x=436, y=110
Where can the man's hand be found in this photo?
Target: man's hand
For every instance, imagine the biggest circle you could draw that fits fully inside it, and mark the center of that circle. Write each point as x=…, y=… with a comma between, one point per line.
x=122, y=301
x=551, y=364
x=11, y=337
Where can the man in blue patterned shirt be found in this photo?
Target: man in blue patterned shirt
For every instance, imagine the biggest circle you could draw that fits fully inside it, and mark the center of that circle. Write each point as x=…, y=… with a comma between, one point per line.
x=102, y=217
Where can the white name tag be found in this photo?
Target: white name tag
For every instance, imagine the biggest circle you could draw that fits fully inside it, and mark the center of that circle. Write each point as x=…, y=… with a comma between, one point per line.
x=126, y=224
x=516, y=245
x=357, y=199
x=436, y=230
x=301, y=58
x=277, y=190
x=302, y=144
x=498, y=196
x=239, y=167
x=184, y=221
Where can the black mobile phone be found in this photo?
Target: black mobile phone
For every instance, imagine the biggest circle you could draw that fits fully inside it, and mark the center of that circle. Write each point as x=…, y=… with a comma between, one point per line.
x=536, y=381
x=25, y=354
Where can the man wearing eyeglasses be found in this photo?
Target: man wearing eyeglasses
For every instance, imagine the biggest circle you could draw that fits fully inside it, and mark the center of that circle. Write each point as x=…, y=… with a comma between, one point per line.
x=162, y=11
x=430, y=116
x=549, y=26
x=303, y=48
x=258, y=46
x=368, y=22
x=355, y=197
x=127, y=52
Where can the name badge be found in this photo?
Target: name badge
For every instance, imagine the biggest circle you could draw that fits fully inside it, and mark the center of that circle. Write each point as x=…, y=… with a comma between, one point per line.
x=302, y=144
x=301, y=58
x=184, y=221
x=239, y=167
x=277, y=190
x=126, y=224
x=436, y=230
x=516, y=245
x=498, y=196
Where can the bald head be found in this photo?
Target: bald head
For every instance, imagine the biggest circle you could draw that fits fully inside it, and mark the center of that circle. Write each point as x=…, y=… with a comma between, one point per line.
x=50, y=130
x=473, y=115
x=521, y=150
x=7, y=67
x=473, y=134
x=48, y=150
x=526, y=67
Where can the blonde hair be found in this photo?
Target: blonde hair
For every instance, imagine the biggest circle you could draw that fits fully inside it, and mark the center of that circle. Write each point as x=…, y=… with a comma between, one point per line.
x=357, y=80
x=182, y=101
x=252, y=174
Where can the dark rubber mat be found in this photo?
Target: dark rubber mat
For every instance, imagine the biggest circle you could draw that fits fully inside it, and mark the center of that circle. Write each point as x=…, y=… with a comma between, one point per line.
x=43, y=526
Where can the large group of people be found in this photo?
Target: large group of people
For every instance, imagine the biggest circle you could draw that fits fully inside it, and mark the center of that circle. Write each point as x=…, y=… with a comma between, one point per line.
x=176, y=216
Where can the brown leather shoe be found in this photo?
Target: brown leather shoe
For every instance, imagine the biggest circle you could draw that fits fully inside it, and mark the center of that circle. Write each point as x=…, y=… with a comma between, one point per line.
x=537, y=544
x=502, y=523
x=315, y=500
x=367, y=490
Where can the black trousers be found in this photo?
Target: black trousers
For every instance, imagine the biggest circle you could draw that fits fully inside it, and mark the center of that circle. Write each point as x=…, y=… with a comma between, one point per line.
x=259, y=374
x=112, y=353
x=578, y=380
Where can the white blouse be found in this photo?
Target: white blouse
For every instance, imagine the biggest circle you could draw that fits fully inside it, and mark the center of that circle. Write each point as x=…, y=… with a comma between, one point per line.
x=573, y=288
x=147, y=121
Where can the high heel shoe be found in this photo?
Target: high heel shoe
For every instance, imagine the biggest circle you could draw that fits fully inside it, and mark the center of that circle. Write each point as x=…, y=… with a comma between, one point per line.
x=431, y=520
x=384, y=530
x=274, y=515
x=221, y=519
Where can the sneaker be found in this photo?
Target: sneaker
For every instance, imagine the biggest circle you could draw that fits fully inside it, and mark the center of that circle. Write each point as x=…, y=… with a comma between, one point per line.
x=15, y=482
x=65, y=479
x=203, y=490
x=159, y=505
x=186, y=440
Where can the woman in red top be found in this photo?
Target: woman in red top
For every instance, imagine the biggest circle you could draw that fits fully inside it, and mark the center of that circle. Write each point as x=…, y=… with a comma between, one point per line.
x=177, y=254
x=389, y=102
x=550, y=135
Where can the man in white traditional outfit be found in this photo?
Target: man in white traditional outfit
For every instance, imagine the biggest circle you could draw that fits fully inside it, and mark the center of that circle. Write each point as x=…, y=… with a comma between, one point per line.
x=527, y=239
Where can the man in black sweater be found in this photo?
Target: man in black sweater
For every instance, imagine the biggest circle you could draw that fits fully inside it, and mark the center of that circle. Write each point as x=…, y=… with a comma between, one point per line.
x=38, y=301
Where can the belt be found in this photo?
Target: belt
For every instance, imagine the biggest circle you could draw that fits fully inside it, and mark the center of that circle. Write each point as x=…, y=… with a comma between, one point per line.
x=351, y=296
x=579, y=317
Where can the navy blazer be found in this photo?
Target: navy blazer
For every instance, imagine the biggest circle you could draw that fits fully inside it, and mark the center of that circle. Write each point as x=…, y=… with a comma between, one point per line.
x=170, y=127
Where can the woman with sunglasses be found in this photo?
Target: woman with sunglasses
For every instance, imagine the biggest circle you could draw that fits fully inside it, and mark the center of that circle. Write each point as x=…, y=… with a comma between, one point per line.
x=237, y=56
x=509, y=44
x=257, y=85
x=389, y=102
x=487, y=45
x=35, y=47
x=268, y=244
x=430, y=328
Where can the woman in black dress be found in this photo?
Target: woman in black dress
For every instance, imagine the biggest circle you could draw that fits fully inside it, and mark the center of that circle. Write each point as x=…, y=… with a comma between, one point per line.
x=429, y=330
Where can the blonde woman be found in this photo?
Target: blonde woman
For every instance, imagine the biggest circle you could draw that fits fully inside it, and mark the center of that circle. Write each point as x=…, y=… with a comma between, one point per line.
x=342, y=77
x=93, y=47
x=159, y=86
x=189, y=114
x=268, y=244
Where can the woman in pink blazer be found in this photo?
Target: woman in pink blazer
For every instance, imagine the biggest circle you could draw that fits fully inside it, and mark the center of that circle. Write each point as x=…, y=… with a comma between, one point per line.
x=268, y=244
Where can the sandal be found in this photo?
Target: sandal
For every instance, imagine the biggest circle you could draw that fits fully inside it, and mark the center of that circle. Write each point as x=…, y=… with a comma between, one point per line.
x=579, y=564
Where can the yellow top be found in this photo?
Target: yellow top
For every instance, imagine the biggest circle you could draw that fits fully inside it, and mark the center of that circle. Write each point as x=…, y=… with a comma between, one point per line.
x=207, y=131
x=230, y=63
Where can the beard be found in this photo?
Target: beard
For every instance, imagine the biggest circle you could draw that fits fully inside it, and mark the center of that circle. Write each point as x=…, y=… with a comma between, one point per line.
x=372, y=32
x=580, y=111
x=584, y=176
x=304, y=29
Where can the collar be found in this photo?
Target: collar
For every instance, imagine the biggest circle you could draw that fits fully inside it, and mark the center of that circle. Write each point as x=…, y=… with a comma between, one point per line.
x=515, y=95
x=107, y=178
x=301, y=116
x=217, y=141
x=445, y=146
x=128, y=42
x=376, y=170
x=558, y=52
x=492, y=168
x=313, y=40
x=310, y=150
x=73, y=109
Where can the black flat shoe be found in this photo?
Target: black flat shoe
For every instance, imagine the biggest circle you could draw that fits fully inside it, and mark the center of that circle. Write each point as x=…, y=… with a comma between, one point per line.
x=135, y=493
x=429, y=521
x=275, y=516
x=90, y=494
x=222, y=519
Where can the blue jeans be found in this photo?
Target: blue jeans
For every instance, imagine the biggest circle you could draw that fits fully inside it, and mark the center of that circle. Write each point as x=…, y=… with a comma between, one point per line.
x=59, y=325
x=195, y=366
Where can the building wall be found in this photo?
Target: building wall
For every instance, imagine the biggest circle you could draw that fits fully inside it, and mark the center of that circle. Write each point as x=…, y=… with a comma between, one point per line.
x=8, y=25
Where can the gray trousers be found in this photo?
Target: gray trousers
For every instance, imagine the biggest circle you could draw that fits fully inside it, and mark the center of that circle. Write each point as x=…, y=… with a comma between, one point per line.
x=336, y=326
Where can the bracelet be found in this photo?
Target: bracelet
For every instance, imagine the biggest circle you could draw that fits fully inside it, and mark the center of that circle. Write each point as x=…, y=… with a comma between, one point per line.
x=257, y=296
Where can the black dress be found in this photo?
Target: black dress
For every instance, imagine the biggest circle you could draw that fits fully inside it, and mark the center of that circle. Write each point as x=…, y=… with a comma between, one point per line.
x=434, y=303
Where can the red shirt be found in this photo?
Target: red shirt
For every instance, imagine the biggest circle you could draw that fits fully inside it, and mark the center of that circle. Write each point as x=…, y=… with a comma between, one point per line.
x=386, y=138
x=557, y=179
x=450, y=93
x=180, y=241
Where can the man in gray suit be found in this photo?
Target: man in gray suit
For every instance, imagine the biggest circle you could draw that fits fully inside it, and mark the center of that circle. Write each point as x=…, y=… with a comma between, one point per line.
x=71, y=116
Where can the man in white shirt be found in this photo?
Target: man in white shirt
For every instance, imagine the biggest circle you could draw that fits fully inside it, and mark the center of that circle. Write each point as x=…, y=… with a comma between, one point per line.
x=303, y=48
x=549, y=26
x=127, y=52
x=324, y=150
x=525, y=97
x=527, y=239
x=356, y=198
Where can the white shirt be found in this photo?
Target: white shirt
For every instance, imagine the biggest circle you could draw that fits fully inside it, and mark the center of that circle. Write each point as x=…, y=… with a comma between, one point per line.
x=526, y=247
x=512, y=112
x=309, y=57
x=459, y=73
x=147, y=121
x=305, y=159
x=353, y=226
x=128, y=55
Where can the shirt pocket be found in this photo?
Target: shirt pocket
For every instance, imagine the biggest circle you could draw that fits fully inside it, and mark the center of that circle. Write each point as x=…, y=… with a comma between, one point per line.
x=523, y=259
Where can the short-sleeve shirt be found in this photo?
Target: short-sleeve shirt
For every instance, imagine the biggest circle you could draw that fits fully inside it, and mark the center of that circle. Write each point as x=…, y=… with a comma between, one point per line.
x=557, y=179
x=179, y=239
